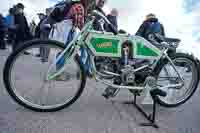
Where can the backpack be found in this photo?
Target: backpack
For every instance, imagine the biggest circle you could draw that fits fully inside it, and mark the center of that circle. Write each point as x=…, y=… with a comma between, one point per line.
x=153, y=27
x=60, y=10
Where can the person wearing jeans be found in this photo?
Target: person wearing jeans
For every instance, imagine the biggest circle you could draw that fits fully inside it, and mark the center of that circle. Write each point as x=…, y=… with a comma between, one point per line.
x=74, y=18
x=22, y=28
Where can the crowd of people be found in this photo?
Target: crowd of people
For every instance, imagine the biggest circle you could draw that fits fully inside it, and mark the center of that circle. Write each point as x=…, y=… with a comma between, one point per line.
x=15, y=27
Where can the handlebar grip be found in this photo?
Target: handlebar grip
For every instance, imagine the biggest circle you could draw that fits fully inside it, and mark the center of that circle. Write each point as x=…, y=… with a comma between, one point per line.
x=158, y=92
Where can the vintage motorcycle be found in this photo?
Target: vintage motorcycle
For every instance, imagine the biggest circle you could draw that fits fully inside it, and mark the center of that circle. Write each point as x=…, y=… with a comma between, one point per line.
x=174, y=73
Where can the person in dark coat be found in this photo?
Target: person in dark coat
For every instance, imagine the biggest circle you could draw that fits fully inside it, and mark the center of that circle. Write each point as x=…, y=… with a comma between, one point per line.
x=42, y=32
x=144, y=28
x=99, y=24
x=38, y=29
x=22, y=28
x=2, y=32
x=150, y=29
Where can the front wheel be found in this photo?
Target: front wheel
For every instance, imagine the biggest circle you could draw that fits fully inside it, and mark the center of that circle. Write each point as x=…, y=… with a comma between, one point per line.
x=165, y=73
x=25, y=77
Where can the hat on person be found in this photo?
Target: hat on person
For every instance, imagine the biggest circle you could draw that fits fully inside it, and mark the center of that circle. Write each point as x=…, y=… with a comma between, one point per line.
x=150, y=15
x=20, y=5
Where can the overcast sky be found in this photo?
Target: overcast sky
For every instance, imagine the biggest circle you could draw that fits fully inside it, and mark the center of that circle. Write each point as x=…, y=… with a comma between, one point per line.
x=181, y=18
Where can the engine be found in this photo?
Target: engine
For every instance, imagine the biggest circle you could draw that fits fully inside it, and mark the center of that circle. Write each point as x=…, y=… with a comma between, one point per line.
x=128, y=74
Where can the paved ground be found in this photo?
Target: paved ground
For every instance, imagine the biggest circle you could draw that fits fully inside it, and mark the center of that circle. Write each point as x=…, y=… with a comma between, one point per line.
x=92, y=114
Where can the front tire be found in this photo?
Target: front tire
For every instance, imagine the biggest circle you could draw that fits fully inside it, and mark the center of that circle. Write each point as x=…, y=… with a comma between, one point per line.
x=190, y=90
x=7, y=77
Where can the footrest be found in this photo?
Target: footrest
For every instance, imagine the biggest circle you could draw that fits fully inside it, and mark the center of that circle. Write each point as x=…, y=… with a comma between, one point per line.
x=158, y=92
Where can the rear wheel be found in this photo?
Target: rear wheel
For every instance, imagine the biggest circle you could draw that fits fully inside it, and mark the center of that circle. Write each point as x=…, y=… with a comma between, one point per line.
x=166, y=75
x=25, y=77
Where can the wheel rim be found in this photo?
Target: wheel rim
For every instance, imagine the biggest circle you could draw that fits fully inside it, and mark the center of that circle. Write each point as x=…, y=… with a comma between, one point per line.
x=32, y=79
x=175, y=96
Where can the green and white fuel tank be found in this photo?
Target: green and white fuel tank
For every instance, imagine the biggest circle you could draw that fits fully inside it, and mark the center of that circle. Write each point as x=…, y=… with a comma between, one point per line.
x=110, y=45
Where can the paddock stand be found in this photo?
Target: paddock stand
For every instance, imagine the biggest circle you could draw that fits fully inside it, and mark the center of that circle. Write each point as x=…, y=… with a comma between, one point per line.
x=152, y=117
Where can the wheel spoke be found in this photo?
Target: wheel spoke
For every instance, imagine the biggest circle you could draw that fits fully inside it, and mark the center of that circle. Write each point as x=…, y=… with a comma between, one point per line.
x=169, y=76
x=27, y=78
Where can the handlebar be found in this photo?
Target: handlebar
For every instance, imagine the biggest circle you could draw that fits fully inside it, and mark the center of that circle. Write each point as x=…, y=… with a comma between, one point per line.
x=112, y=28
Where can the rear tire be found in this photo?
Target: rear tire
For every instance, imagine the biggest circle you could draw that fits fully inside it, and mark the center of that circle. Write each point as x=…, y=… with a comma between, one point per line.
x=194, y=85
x=7, y=78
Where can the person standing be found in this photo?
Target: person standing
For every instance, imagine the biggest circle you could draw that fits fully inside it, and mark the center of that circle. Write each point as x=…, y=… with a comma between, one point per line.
x=2, y=33
x=22, y=28
x=42, y=32
x=100, y=25
x=149, y=26
x=38, y=29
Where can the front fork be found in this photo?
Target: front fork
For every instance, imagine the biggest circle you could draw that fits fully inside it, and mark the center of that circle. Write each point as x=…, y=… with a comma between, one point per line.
x=66, y=55
x=173, y=65
x=165, y=55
